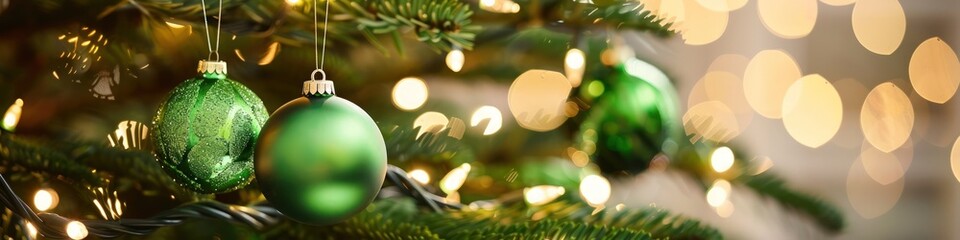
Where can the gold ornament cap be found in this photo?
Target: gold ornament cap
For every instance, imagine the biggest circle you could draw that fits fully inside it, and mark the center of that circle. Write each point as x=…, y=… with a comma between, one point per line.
x=318, y=88
x=214, y=67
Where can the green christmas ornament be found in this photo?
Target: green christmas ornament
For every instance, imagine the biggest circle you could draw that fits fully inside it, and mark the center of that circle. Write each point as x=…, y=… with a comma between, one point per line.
x=320, y=159
x=205, y=131
x=634, y=120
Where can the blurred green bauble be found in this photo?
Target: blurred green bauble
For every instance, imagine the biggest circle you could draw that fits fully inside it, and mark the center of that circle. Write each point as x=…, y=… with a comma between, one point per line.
x=634, y=120
x=205, y=133
x=320, y=160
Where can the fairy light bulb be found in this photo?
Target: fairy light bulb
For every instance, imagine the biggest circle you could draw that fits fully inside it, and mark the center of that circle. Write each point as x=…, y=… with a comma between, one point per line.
x=45, y=199
x=722, y=159
x=12, y=116
x=76, y=230
x=455, y=178
x=573, y=66
x=455, y=60
x=595, y=190
x=543, y=194
x=420, y=176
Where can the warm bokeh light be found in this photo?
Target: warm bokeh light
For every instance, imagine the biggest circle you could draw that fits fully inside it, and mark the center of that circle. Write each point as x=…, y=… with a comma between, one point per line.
x=174, y=25
x=455, y=60
x=886, y=117
x=485, y=113
x=580, y=158
x=433, y=122
x=879, y=25
x=420, y=176
x=46, y=199
x=702, y=25
x=731, y=63
x=410, y=93
x=32, y=230
x=766, y=80
x=722, y=159
x=869, y=198
x=718, y=193
x=270, y=54
x=12, y=116
x=788, y=18
x=293, y=2
x=670, y=11
x=724, y=87
x=129, y=135
x=838, y=2
x=537, y=99
x=500, y=6
x=595, y=190
x=955, y=159
x=886, y=168
x=853, y=93
x=573, y=65
x=711, y=120
x=722, y=5
x=934, y=70
x=76, y=230
x=812, y=111
x=455, y=178
x=543, y=194
x=725, y=209
x=761, y=165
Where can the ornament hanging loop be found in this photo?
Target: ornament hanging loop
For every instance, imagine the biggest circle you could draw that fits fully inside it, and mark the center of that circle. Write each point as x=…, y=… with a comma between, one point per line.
x=323, y=75
x=318, y=88
x=210, y=57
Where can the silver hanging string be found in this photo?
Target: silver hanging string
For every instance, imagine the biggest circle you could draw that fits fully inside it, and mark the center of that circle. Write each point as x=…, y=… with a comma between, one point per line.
x=320, y=55
x=206, y=27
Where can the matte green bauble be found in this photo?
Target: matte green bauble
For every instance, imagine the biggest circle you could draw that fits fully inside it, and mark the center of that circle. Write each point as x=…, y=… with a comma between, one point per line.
x=320, y=159
x=633, y=121
x=206, y=130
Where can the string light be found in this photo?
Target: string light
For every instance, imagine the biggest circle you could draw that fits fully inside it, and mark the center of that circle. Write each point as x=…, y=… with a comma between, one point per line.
x=543, y=194
x=455, y=178
x=455, y=60
x=76, y=230
x=487, y=112
x=573, y=65
x=595, y=190
x=722, y=159
x=46, y=199
x=410, y=93
x=12, y=116
x=420, y=176
x=718, y=193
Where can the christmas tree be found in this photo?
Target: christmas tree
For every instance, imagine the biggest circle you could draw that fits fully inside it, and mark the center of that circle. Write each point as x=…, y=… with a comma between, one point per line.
x=490, y=119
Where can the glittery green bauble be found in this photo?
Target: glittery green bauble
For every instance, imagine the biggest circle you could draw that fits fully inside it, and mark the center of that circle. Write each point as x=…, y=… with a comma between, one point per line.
x=205, y=133
x=633, y=121
x=320, y=160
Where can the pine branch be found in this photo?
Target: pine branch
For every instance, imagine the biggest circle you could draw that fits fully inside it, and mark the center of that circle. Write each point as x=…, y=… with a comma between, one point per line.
x=627, y=14
x=404, y=144
x=826, y=215
x=36, y=157
x=79, y=162
x=444, y=24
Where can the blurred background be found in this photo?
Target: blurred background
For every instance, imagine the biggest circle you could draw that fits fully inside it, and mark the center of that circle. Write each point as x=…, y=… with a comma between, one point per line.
x=744, y=58
x=922, y=204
